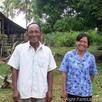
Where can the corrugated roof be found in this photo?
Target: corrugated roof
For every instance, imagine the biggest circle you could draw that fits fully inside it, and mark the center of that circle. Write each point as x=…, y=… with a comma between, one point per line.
x=11, y=27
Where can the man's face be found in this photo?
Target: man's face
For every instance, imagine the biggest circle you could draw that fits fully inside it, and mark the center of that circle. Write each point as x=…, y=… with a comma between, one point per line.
x=34, y=34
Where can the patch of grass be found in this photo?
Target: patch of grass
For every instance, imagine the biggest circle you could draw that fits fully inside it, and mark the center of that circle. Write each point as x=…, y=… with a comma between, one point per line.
x=5, y=95
x=97, y=83
x=4, y=69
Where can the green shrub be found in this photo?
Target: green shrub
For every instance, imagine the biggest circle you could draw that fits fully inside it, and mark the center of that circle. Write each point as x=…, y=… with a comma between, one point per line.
x=60, y=39
x=69, y=23
x=96, y=39
x=46, y=28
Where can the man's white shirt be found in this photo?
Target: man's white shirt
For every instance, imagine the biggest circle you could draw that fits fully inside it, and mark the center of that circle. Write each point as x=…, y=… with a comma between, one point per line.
x=33, y=67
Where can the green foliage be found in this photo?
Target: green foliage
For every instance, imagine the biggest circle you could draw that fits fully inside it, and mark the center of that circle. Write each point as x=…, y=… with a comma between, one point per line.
x=8, y=8
x=61, y=39
x=49, y=39
x=89, y=13
x=89, y=10
x=69, y=23
x=53, y=8
x=46, y=28
x=4, y=69
x=96, y=39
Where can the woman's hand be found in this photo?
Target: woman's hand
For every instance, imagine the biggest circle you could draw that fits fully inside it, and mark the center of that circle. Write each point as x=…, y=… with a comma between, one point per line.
x=64, y=96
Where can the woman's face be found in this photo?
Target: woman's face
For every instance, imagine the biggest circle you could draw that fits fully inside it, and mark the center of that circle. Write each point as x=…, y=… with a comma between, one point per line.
x=82, y=44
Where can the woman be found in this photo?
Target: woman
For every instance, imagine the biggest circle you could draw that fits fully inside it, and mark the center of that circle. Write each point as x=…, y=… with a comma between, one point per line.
x=78, y=70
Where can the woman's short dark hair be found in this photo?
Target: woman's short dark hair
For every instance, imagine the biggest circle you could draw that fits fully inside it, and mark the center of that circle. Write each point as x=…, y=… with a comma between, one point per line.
x=81, y=35
x=31, y=24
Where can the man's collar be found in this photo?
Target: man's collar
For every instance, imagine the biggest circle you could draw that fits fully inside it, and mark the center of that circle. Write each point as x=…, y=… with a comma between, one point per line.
x=39, y=47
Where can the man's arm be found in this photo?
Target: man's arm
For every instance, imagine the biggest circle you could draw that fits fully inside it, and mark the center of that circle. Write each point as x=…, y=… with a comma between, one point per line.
x=50, y=86
x=16, y=95
x=14, y=78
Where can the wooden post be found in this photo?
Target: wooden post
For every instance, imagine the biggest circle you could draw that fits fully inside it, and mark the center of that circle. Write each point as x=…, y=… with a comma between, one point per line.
x=2, y=32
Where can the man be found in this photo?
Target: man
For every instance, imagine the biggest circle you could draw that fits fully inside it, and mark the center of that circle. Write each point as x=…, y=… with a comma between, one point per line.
x=32, y=69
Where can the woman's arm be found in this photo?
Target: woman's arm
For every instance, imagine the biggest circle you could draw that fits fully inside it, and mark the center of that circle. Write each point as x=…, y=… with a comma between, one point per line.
x=63, y=87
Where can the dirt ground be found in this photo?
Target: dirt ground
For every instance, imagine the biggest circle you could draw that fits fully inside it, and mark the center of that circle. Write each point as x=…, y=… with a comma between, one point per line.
x=2, y=61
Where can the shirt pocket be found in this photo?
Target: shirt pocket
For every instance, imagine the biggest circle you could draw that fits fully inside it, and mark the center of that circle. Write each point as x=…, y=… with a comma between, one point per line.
x=42, y=62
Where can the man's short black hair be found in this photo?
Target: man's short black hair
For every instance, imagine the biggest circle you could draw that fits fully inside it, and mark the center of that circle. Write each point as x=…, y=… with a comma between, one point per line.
x=81, y=35
x=31, y=24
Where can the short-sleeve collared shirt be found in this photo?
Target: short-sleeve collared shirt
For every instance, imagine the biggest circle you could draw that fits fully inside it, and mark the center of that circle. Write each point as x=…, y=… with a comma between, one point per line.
x=78, y=72
x=33, y=67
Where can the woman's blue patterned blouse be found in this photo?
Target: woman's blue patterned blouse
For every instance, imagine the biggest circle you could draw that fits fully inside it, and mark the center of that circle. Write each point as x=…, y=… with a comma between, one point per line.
x=79, y=72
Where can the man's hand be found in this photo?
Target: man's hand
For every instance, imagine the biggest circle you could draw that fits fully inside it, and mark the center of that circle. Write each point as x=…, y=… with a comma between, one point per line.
x=16, y=96
x=49, y=96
